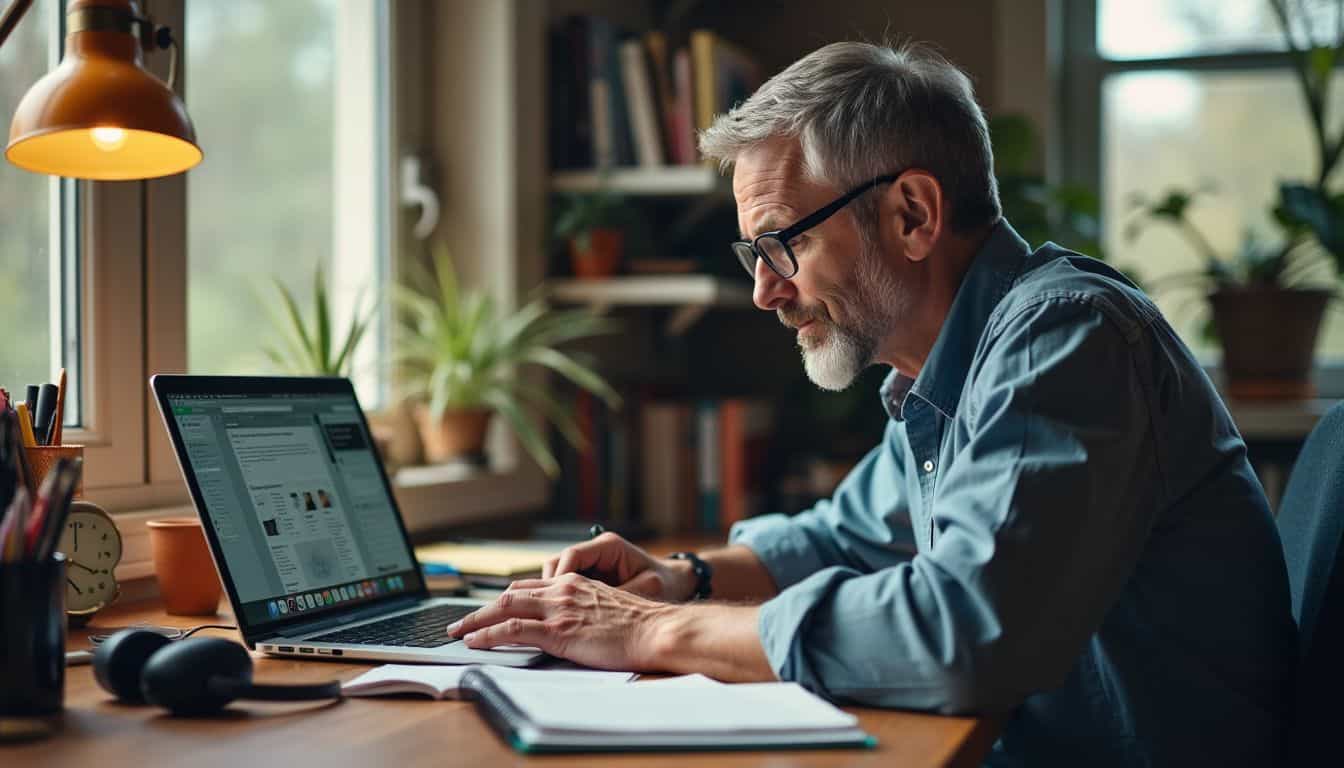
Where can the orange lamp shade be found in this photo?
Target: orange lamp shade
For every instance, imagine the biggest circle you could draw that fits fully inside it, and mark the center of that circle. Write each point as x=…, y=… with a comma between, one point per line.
x=100, y=114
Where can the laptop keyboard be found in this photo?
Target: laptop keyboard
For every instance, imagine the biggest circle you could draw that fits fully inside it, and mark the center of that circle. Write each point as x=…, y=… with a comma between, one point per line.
x=422, y=629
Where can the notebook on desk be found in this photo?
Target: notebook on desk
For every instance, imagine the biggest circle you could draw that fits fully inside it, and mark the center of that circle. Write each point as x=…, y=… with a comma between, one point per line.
x=539, y=717
x=489, y=565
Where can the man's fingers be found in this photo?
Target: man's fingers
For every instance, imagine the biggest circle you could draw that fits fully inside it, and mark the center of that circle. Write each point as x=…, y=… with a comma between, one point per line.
x=516, y=604
x=530, y=584
x=510, y=632
x=548, y=570
x=589, y=554
x=645, y=583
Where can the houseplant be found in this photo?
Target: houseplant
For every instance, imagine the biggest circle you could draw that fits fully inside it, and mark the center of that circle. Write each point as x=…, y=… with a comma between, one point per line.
x=309, y=348
x=460, y=357
x=592, y=225
x=1267, y=300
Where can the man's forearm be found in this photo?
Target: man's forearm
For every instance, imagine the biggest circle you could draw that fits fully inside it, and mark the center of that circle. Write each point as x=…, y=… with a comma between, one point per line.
x=739, y=575
x=721, y=641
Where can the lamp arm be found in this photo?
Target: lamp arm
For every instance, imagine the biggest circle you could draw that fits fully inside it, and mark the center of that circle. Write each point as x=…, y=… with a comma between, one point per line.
x=13, y=14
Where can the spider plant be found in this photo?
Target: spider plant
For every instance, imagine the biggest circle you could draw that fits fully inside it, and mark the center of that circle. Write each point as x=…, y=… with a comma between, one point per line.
x=309, y=348
x=460, y=351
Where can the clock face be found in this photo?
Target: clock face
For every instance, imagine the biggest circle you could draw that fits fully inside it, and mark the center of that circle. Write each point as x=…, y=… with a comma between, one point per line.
x=92, y=546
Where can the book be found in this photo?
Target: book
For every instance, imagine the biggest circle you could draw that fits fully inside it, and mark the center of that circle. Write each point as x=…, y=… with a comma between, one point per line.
x=488, y=564
x=745, y=429
x=709, y=458
x=444, y=681
x=639, y=98
x=538, y=716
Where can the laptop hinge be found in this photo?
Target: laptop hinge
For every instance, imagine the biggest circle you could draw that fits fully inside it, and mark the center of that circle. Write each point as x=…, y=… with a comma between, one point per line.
x=346, y=617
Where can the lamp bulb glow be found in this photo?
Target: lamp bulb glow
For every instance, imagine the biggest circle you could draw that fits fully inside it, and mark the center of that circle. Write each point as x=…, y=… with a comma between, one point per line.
x=108, y=139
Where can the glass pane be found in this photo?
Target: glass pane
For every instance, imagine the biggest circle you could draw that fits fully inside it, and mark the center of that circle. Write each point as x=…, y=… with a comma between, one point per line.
x=1178, y=129
x=263, y=90
x=29, y=250
x=1136, y=29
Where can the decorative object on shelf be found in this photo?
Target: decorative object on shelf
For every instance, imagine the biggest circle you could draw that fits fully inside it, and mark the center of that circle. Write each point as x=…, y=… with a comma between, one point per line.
x=100, y=114
x=92, y=546
x=460, y=355
x=593, y=224
x=185, y=571
x=1267, y=303
x=312, y=350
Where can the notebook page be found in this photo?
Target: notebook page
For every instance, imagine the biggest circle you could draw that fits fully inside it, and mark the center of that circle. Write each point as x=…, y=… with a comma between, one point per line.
x=446, y=678
x=697, y=709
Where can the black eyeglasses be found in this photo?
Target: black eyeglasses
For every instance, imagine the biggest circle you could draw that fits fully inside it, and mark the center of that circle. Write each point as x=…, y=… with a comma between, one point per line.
x=773, y=247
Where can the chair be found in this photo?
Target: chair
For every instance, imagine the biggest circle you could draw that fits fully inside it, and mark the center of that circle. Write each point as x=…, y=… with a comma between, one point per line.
x=1311, y=525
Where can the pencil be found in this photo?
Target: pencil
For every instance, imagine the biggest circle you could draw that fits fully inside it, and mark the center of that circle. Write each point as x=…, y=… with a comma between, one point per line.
x=60, y=409
x=26, y=426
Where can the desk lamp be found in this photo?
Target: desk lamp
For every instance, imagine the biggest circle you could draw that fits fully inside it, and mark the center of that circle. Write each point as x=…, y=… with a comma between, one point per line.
x=100, y=114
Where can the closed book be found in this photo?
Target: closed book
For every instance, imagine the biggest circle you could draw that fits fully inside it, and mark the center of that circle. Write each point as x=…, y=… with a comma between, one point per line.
x=536, y=716
x=665, y=495
x=683, y=119
x=639, y=100
x=708, y=483
x=745, y=431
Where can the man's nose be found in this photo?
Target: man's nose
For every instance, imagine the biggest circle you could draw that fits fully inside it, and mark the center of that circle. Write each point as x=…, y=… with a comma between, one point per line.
x=771, y=290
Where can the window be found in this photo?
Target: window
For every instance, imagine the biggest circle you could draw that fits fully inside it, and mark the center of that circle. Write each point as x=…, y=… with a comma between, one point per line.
x=287, y=102
x=1197, y=94
x=39, y=292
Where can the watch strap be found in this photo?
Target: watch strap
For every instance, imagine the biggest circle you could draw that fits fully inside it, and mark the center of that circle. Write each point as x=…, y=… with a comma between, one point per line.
x=704, y=574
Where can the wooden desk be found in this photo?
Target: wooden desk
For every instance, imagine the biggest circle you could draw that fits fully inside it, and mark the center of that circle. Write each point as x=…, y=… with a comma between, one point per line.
x=98, y=731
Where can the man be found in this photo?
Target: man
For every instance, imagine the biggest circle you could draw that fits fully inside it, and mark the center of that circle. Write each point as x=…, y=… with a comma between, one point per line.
x=1060, y=523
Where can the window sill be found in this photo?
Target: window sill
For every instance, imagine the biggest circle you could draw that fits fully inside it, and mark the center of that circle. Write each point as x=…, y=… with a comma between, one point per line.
x=430, y=498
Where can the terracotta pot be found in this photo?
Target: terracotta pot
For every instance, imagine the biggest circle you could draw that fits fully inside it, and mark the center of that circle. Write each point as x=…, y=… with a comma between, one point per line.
x=1269, y=339
x=458, y=434
x=182, y=563
x=601, y=258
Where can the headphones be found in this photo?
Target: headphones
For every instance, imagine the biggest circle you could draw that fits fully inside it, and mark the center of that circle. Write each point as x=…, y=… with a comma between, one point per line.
x=199, y=676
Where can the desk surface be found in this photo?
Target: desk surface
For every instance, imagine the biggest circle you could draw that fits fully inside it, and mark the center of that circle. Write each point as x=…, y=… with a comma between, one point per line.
x=399, y=731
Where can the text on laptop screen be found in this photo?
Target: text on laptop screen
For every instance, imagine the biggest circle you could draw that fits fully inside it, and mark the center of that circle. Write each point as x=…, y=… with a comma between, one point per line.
x=292, y=489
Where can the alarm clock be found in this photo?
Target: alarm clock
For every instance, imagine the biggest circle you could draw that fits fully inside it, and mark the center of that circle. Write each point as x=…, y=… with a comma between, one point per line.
x=92, y=547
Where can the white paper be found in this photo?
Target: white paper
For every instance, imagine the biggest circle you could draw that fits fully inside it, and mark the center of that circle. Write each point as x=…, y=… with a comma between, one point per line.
x=446, y=679
x=673, y=709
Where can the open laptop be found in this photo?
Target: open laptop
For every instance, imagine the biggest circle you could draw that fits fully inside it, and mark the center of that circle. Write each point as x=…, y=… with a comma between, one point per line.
x=302, y=523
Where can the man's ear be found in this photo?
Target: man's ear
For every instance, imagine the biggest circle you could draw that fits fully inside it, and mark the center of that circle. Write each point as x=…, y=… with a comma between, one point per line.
x=914, y=209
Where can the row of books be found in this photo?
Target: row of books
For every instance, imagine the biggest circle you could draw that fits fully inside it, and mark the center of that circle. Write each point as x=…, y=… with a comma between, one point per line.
x=676, y=466
x=622, y=100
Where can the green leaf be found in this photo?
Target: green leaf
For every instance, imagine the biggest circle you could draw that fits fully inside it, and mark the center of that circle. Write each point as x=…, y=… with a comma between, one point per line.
x=526, y=432
x=322, y=356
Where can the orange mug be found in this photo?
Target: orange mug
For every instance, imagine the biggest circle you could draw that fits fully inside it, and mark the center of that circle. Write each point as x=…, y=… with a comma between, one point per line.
x=188, y=583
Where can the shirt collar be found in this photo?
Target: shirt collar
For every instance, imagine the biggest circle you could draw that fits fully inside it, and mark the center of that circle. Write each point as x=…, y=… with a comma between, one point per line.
x=991, y=274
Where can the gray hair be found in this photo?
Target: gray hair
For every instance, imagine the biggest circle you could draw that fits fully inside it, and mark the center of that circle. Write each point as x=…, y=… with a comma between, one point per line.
x=860, y=111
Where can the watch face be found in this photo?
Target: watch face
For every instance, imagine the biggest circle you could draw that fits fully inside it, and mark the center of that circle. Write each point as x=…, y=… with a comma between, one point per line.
x=92, y=546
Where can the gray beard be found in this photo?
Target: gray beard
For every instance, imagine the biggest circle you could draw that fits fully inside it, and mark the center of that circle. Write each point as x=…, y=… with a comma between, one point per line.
x=844, y=352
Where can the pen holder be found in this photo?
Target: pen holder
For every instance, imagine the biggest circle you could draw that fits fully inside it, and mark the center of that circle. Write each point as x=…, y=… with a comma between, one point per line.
x=43, y=457
x=32, y=647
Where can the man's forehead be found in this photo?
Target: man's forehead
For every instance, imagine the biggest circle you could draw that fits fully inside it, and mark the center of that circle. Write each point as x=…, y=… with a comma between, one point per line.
x=769, y=187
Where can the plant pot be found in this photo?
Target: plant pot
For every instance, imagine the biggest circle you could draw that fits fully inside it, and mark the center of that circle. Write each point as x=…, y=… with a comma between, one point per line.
x=601, y=258
x=1269, y=339
x=459, y=434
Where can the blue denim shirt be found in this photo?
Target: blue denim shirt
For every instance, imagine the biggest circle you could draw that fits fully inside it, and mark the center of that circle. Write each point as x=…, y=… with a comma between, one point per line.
x=1059, y=525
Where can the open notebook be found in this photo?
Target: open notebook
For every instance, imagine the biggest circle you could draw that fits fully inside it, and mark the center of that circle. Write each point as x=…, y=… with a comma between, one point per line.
x=549, y=715
x=445, y=682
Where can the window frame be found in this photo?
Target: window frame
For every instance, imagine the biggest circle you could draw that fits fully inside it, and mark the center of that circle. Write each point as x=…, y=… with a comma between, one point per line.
x=1081, y=71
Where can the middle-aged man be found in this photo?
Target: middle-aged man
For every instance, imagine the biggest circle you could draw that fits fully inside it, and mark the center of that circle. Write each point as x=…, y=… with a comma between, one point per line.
x=1060, y=523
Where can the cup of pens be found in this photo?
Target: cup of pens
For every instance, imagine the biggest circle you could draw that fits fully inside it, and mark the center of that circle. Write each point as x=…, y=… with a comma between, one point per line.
x=33, y=512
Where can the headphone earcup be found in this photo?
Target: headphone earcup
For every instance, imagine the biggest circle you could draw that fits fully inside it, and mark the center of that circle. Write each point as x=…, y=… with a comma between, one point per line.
x=119, y=660
x=194, y=677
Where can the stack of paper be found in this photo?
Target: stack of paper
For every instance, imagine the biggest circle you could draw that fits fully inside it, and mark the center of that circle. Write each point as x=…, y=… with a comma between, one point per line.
x=444, y=682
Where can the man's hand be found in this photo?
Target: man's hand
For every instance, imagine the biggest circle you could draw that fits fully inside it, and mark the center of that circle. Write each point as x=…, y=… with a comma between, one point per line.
x=615, y=561
x=572, y=617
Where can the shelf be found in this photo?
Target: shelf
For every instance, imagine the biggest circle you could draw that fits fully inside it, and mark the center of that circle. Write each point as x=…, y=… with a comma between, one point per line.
x=663, y=180
x=691, y=295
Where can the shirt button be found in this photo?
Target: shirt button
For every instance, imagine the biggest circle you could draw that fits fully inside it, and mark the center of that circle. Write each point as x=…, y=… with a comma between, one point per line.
x=928, y=465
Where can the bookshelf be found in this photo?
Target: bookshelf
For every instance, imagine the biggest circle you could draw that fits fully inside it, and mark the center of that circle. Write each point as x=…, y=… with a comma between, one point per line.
x=690, y=295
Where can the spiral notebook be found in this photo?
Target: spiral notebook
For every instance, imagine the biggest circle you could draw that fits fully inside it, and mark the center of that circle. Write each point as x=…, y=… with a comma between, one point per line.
x=538, y=716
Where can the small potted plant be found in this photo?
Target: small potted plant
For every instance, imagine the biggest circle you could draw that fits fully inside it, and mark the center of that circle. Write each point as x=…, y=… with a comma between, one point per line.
x=310, y=348
x=592, y=225
x=460, y=356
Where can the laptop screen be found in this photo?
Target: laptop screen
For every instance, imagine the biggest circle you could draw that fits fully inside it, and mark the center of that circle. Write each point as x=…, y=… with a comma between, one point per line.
x=296, y=501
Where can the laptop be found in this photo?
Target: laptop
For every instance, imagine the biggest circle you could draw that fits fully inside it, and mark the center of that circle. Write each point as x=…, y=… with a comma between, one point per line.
x=302, y=523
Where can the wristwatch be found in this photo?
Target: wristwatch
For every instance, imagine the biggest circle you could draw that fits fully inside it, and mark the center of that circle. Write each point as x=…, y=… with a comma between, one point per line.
x=702, y=570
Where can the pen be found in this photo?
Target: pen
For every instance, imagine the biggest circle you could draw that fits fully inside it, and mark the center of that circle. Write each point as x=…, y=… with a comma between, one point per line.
x=596, y=530
x=26, y=426
x=46, y=408
x=31, y=401
x=60, y=410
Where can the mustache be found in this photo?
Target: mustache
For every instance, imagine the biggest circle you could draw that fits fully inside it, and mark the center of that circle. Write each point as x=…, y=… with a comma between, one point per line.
x=796, y=316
